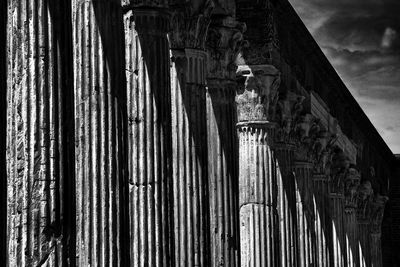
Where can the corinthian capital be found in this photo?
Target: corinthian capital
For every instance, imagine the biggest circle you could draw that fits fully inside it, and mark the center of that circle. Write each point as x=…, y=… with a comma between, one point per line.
x=257, y=97
x=189, y=23
x=224, y=40
x=351, y=185
x=339, y=168
x=377, y=210
x=365, y=194
x=287, y=115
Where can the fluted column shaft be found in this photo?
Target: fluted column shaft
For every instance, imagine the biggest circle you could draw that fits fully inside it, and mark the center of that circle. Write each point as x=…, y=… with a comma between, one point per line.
x=364, y=242
x=338, y=234
x=257, y=197
x=149, y=136
x=259, y=233
x=100, y=112
x=189, y=130
x=286, y=203
x=376, y=251
x=223, y=37
x=351, y=236
x=222, y=173
x=39, y=134
x=322, y=220
x=305, y=213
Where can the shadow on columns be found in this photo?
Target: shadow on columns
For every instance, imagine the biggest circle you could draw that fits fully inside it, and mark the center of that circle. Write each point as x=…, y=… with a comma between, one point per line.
x=3, y=121
x=111, y=31
x=189, y=122
x=60, y=14
x=225, y=144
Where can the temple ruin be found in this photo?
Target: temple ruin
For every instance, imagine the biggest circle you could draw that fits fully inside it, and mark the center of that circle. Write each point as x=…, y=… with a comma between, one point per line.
x=182, y=133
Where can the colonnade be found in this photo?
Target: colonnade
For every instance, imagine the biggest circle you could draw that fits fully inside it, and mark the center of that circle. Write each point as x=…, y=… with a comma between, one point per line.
x=157, y=133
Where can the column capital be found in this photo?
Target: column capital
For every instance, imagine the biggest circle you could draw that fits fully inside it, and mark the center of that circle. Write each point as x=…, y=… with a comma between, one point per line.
x=224, y=41
x=189, y=24
x=365, y=195
x=262, y=49
x=306, y=131
x=339, y=167
x=287, y=114
x=378, y=204
x=256, y=98
x=351, y=185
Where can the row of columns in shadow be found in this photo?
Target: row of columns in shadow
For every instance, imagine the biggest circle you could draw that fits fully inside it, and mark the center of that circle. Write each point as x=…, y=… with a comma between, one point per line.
x=128, y=147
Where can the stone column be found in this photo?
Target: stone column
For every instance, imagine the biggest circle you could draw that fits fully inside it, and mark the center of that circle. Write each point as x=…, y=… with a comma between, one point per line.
x=257, y=177
x=365, y=195
x=288, y=110
x=377, y=211
x=100, y=112
x=39, y=135
x=149, y=132
x=351, y=184
x=303, y=169
x=224, y=37
x=322, y=220
x=189, y=24
x=321, y=205
x=3, y=131
x=340, y=165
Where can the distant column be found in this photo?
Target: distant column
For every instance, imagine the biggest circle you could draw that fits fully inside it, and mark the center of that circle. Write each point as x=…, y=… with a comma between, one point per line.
x=224, y=38
x=323, y=146
x=305, y=198
x=351, y=183
x=288, y=111
x=340, y=165
x=257, y=177
x=377, y=210
x=364, y=198
x=149, y=132
x=39, y=135
x=100, y=113
x=189, y=25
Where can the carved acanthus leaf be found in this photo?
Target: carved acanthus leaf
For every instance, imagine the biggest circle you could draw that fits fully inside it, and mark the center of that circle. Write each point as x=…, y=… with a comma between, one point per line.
x=224, y=40
x=365, y=194
x=189, y=26
x=351, y=185
x=339, y=168
x=378, y=204
x=287, y=115
x=257, y=97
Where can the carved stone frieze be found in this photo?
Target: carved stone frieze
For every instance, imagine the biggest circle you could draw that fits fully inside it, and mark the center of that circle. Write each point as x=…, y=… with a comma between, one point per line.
x=256, y=98
x=189, y=24
x=224, y=41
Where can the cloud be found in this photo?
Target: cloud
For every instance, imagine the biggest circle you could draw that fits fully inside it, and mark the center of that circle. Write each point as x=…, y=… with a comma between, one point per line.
x=361, y=40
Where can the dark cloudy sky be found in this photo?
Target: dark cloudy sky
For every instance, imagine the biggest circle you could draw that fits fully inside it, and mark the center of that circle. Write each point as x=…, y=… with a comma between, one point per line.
x=361, y=38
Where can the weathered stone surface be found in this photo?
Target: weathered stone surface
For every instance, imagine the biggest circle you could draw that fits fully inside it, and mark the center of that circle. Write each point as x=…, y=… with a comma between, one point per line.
x=100, y=110
x=224, y=38
x=39, y=158
x=149, y=137
x=222, y=138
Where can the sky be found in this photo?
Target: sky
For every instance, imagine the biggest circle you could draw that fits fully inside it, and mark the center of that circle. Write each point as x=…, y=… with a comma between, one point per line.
x=361, y=39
